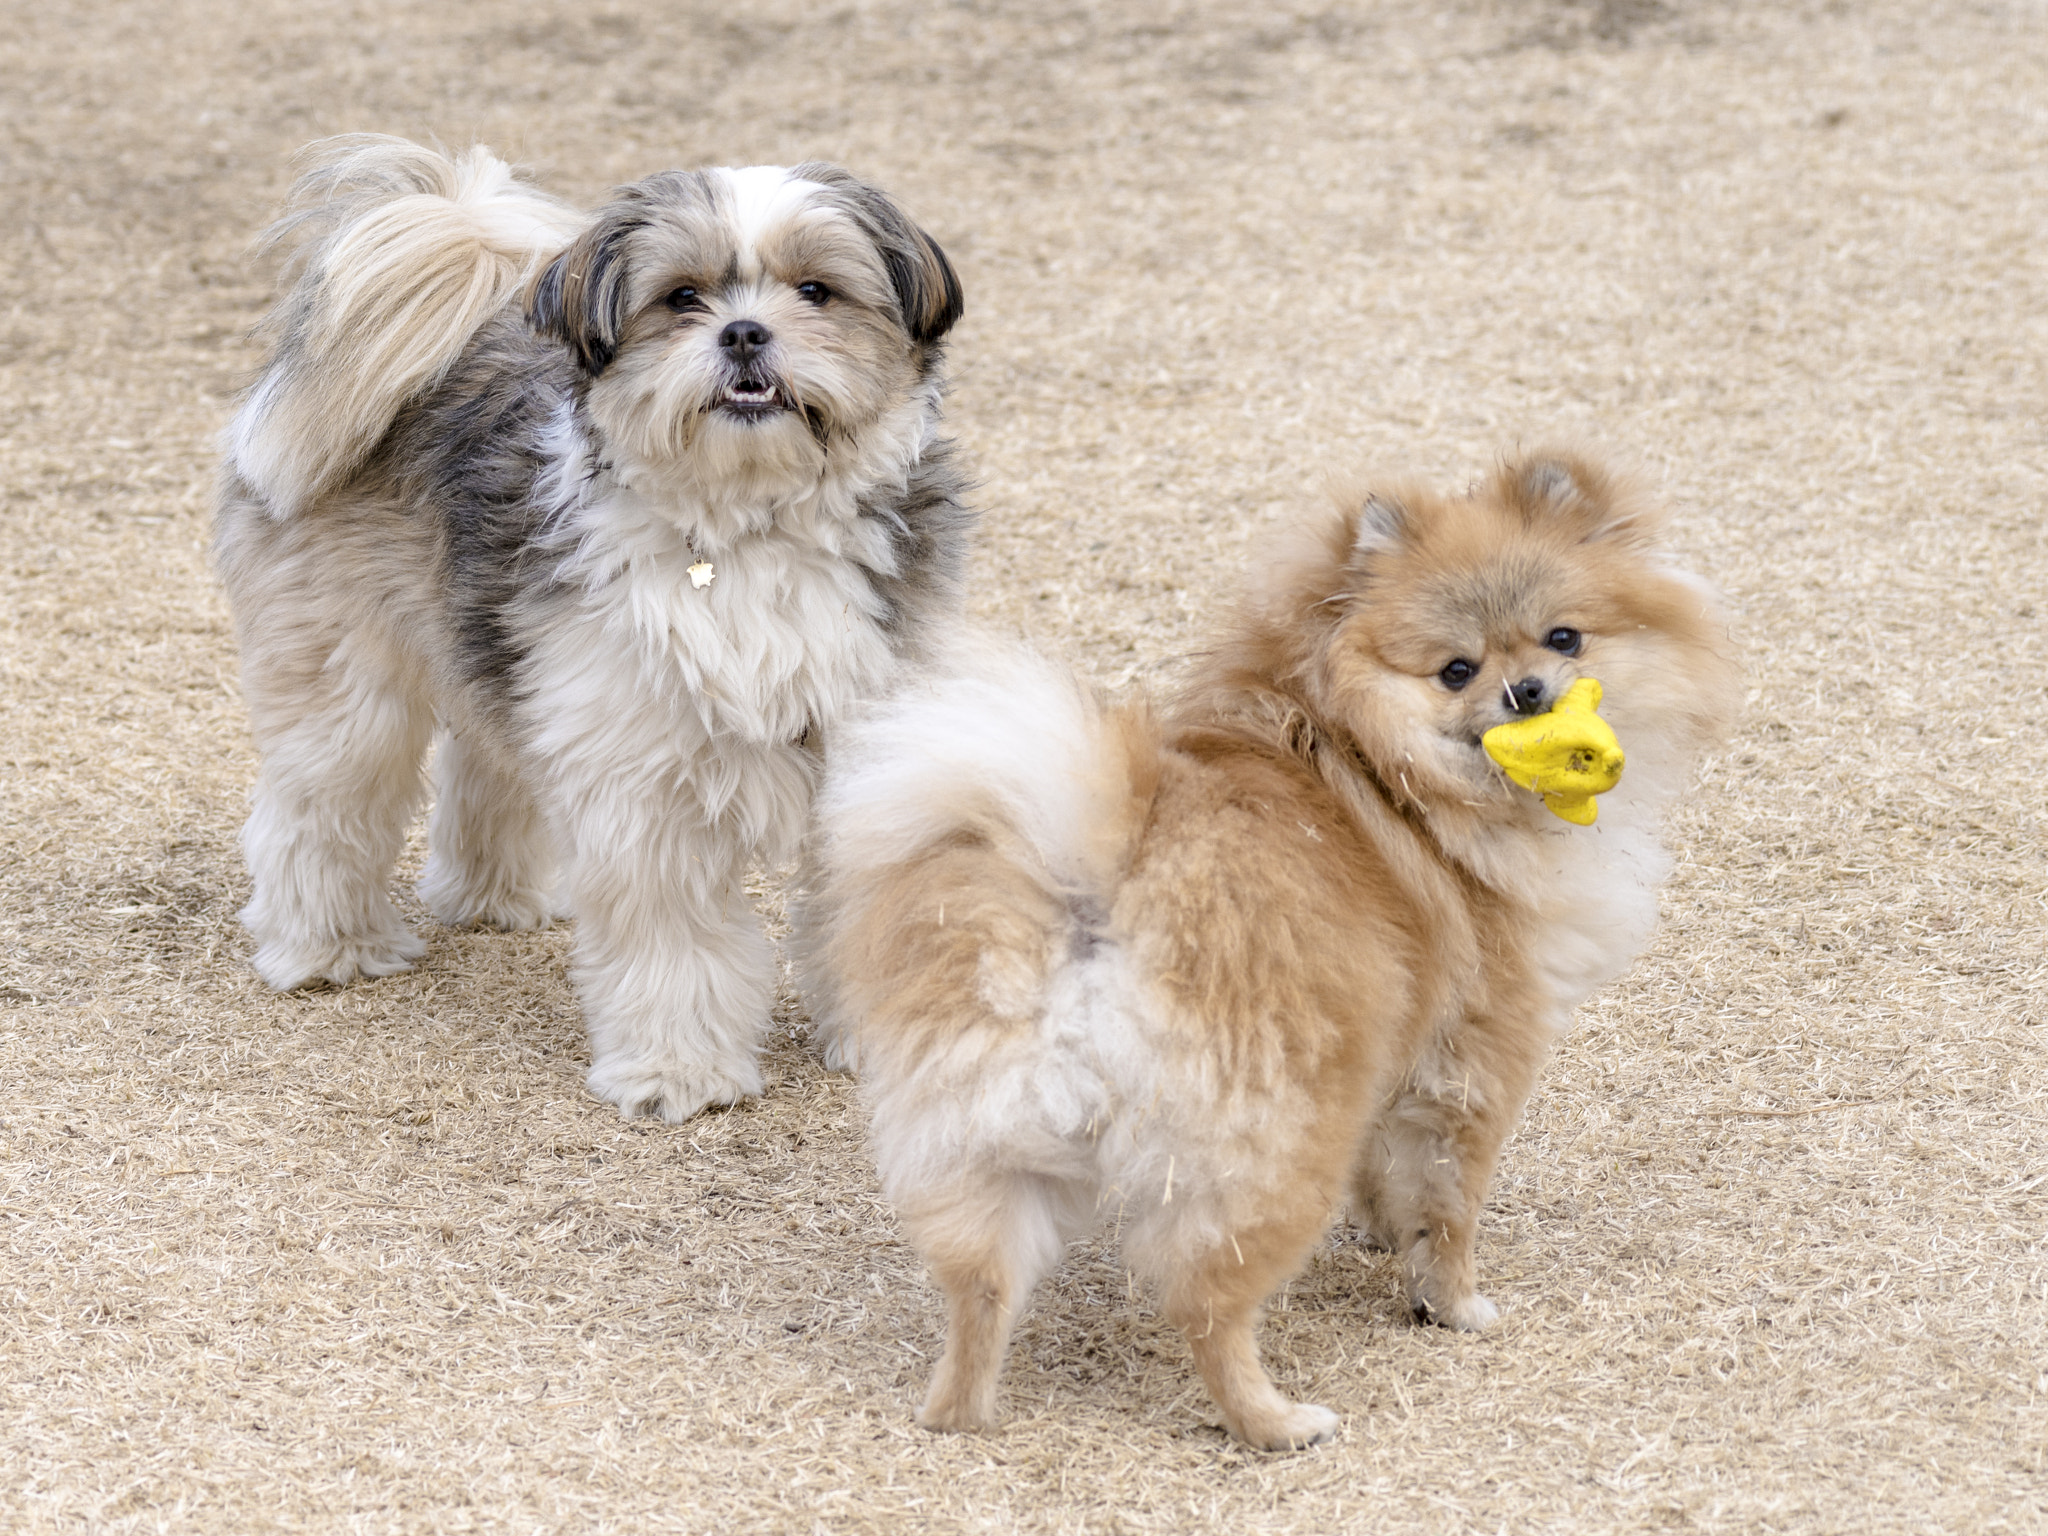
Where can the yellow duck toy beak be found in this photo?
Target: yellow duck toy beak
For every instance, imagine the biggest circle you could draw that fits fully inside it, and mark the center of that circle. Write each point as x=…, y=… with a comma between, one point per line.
x=1567, y=755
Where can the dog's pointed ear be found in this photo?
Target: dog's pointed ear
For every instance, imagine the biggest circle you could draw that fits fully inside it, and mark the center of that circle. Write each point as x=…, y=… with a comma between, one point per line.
x=1562, y=486
x=1547, y=484
x=927, y=288
x=1381, y=526
x=580, y=298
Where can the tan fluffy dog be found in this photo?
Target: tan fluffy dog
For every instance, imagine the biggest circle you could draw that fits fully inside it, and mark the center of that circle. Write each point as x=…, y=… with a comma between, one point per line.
x=1294, y=937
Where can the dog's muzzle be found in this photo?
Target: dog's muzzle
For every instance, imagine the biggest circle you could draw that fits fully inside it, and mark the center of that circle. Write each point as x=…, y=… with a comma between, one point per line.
x=750, y=388
x=746, y=398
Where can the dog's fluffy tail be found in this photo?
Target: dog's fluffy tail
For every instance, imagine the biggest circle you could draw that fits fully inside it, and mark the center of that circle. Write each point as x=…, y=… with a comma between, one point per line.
x=1002, y=749
x=401, y=253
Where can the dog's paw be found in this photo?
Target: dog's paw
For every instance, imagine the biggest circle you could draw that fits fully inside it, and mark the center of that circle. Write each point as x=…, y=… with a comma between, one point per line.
x=672, y=1093
x=1472, y=1313
x=956, y=1405
x=459, y=904
x=287, y=966
x=836, y=1052
x=1300, y=1426
x=953, y=1419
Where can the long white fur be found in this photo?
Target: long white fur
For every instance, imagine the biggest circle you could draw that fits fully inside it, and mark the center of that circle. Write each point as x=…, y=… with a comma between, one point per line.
x=672, y=725
x=318, y=861
x=421, y=249
x=670, y=799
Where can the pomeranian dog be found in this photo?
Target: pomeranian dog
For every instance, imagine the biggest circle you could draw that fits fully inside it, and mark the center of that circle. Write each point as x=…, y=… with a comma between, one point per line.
x=626, y=507
x=1207, y=970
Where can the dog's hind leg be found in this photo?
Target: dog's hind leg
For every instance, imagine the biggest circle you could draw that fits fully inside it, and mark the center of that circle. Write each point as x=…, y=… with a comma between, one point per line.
x=987, y=1238
x=490, y=857
x=1213, y=1292
x=341, y=724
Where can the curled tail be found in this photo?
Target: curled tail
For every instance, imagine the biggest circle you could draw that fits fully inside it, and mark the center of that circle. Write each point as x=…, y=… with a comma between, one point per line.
x=402, y=252
x=1003, y=752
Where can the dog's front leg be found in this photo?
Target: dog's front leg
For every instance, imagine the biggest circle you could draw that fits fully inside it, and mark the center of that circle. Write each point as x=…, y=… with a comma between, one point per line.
x=670, y=963
x=1426, y=1166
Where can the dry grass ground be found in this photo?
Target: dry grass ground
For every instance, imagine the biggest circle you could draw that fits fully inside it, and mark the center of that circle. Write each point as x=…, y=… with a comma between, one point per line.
x=1770, y=1243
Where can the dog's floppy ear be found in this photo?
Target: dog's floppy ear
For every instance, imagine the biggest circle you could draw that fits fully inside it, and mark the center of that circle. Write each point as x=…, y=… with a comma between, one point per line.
x=926, y=285
x=580, y=299
x=927, y=288
x=1564, y=486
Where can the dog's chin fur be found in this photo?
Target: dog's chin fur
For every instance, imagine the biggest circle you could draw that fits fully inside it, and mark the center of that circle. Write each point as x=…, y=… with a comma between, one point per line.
x=627, y=507
x=1290, y=938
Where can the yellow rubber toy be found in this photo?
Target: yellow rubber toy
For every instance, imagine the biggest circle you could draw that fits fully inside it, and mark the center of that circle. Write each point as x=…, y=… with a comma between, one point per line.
x=1567, y=755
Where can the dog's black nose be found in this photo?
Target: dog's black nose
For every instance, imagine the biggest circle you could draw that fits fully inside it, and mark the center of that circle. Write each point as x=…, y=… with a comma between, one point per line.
x=743, y=338
x=1526, y=697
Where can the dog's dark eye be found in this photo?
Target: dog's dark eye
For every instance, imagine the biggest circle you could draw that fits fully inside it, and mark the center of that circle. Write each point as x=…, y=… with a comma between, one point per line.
x=1565, y=642
x=816, y=293
x=683, y=300
x=1457, y=674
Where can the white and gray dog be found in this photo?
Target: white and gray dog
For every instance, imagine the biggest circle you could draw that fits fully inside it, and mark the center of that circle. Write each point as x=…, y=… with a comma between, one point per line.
x=626, y=507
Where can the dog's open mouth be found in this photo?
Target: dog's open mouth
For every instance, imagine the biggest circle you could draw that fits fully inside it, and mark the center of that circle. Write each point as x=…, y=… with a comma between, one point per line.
x=751, y=398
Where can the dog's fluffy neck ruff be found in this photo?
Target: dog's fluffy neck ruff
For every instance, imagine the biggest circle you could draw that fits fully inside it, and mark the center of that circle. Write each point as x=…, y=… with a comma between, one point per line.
x=1272, y=714
x=1592, y=889
x=1269, y=681
x=600, y=496
x=786, y=629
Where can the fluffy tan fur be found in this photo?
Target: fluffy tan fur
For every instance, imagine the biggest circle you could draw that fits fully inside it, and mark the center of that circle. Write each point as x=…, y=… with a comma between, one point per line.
x=1293, y=939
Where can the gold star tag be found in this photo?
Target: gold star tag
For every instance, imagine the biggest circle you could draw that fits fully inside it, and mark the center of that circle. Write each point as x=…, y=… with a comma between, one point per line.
x=701, y=574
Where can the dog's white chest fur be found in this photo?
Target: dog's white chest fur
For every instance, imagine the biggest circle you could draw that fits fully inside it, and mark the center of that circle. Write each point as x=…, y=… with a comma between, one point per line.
x=773, y=633
x=752, y=628
x=1598, y=894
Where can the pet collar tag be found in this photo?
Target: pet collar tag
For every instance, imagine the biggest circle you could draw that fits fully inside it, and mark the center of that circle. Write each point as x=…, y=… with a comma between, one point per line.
x=701, y=574
x=1567, y=755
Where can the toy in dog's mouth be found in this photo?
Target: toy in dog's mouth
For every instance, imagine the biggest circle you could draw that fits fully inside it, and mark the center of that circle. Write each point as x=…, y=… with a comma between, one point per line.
x=1567, y=754
x=750, y=399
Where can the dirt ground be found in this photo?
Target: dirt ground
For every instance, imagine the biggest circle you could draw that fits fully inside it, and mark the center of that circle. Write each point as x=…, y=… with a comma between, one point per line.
x=1770, y=1242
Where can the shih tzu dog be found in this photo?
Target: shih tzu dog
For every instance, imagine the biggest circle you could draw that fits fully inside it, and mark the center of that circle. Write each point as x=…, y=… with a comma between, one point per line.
x=619, y=509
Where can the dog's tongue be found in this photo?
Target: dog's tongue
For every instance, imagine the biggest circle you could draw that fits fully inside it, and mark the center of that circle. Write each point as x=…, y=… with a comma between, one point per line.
x=1567, y=755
